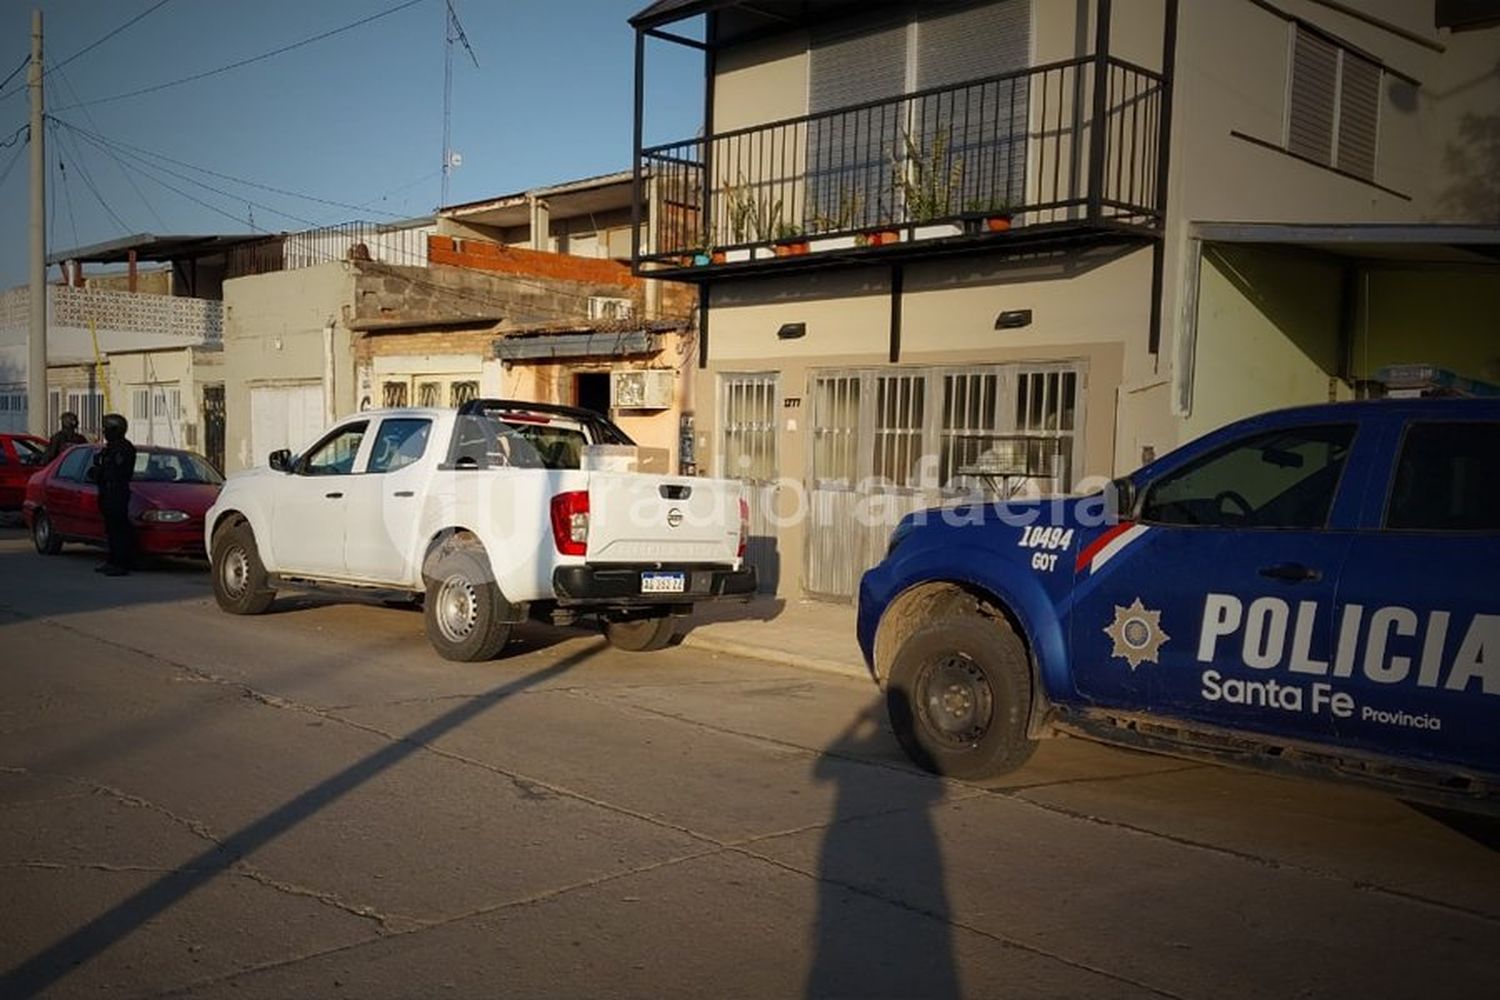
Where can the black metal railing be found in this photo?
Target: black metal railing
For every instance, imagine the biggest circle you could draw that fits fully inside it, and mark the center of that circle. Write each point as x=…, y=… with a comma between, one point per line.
x=1010, y=151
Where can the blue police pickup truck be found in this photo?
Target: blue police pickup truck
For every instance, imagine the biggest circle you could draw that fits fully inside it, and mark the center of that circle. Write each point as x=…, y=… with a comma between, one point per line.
x=1314, y=590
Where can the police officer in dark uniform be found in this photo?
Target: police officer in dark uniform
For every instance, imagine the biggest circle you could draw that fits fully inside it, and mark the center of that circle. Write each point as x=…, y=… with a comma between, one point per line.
x=66, y=437
x=114, y=466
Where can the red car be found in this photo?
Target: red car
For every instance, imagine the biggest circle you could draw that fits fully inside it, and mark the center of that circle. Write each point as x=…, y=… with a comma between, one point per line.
x=18, y=455
x=169, y=495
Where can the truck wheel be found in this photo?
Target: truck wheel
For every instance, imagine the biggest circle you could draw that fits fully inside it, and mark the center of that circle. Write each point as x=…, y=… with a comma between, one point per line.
x=240, y=584
x=959, y=695
x=639, y=635
x=463, y=608
x=42, y=536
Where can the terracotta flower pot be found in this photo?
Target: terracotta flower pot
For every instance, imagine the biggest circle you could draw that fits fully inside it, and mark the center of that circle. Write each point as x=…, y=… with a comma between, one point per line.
x=997, y=223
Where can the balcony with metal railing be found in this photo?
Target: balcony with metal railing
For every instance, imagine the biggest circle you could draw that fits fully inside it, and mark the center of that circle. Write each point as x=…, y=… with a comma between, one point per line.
x=1042, y=158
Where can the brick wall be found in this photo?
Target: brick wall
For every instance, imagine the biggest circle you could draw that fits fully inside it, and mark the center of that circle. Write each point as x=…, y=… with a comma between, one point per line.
x=368, y=346
x=483, y=256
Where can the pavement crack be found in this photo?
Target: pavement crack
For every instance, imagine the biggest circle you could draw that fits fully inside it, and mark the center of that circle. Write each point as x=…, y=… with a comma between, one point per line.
x=1004, y=940
x=1248, y=857
x=530, y=899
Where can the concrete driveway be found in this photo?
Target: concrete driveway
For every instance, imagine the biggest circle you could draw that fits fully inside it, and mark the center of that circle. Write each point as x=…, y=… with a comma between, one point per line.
x=311, y=803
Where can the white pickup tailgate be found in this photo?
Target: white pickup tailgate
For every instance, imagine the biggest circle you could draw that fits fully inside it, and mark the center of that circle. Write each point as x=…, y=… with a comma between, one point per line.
x=639, y=518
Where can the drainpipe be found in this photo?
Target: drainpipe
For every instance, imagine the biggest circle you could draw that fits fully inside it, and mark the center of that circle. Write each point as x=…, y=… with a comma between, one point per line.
x=328, y=373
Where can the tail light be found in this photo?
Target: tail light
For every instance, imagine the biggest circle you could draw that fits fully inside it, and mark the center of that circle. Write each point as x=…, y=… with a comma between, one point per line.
x=744, y=527
x=570, y=523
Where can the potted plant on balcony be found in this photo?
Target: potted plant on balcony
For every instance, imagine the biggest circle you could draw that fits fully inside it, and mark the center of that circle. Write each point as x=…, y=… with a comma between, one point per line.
x=928, y=183
x=790, y=240
x=741, y=211
x=838, y=223
x=992, y=215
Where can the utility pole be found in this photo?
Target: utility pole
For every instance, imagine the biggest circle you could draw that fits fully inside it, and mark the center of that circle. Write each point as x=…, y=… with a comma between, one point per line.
x=36, y=358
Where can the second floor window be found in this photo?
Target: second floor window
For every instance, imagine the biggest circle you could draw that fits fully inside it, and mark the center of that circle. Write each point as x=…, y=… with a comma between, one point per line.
x=1333, y=104
x=969, y=139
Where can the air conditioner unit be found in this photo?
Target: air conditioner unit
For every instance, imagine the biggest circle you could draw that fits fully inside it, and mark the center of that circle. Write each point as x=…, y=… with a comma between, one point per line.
x=604, y=307
x=643, y=389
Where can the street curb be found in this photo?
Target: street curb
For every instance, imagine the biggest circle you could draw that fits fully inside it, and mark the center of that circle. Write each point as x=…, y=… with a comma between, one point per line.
x=784, y=657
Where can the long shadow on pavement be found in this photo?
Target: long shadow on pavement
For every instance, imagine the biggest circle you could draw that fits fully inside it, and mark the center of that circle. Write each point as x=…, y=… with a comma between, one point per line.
x=868, y=946
x=54, y=962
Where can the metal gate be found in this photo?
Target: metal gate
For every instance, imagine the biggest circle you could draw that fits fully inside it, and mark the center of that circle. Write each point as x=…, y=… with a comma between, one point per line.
x=887, y=443
x=213, y=426
x=748, y=407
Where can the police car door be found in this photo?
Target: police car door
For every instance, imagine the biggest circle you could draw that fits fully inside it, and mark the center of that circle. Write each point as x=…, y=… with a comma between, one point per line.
x=1419, y=606
x=1215, y=604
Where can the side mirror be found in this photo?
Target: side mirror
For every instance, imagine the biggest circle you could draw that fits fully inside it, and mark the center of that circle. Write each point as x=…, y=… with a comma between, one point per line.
x=281, y=460
x=1124, y=497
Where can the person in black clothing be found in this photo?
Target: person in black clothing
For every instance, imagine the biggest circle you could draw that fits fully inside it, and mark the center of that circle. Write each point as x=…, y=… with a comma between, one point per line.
x=114, y=466
x=66, y=437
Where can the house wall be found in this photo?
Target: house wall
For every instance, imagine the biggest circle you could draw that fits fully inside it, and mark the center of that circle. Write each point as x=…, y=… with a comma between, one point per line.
x=1091, y=312
x=274, y=335
x=1231, y=77
x=1268, y=334
x=1444, y=317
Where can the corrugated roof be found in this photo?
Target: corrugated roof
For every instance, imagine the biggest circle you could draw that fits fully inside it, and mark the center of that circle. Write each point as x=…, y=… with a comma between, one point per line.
x=150, y=246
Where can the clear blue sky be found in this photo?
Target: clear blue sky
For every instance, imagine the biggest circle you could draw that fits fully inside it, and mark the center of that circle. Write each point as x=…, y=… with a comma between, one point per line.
x=355, y=118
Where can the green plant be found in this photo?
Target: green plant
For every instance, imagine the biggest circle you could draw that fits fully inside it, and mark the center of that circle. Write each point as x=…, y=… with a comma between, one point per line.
x=841, y=220
x=927, y=181
x=786, y=231
x=751, y=219
x=993, y=206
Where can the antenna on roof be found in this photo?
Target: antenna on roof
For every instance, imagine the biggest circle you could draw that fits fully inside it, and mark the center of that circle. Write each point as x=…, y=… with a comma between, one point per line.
x=453, y=31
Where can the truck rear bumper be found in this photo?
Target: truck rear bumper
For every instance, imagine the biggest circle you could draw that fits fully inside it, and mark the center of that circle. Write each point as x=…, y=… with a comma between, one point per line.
x=621, y=585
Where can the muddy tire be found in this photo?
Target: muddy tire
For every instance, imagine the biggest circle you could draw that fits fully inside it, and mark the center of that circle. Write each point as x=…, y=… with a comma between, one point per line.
x=241, y=586
x=463, y=608
x=959, y=697
x=43, y=536
x=640, y=635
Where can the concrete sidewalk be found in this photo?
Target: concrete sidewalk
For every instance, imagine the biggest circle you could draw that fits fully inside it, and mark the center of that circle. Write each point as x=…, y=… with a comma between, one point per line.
x=815, y=635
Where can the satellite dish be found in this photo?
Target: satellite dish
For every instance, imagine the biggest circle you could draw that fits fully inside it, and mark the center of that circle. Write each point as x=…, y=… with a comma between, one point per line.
x=455, y=160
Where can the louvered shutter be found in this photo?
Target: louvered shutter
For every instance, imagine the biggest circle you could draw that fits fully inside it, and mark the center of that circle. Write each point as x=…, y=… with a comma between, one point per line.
x=1314, y=72
x=1359, y=115
x=849, y=172
x=983, y=126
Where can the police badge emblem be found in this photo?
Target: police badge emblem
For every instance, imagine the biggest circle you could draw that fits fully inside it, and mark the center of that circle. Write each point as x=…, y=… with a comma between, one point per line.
x=1137, y=634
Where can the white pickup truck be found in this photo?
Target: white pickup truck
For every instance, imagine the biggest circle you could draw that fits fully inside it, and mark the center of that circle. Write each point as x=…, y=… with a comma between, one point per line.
x=491, y=513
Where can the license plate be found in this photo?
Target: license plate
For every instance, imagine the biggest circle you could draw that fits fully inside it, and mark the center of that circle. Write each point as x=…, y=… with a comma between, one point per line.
x=663, y=583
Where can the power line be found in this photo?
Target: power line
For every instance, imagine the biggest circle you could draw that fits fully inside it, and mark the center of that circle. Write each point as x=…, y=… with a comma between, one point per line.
x=11, y=163
x=129, y=178
x=24, y=61
x=89, y=180
x=87, y=48
x=141, y=164
x=246, y=62
x=62, y=175
x=222, y=176
x=142, y=161
x=14, y=137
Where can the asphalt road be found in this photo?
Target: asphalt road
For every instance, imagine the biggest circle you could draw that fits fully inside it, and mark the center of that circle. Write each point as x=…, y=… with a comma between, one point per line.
x=312, y=804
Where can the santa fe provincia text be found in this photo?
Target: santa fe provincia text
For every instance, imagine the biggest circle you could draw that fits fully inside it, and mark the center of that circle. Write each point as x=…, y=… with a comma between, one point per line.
x=1399, y=647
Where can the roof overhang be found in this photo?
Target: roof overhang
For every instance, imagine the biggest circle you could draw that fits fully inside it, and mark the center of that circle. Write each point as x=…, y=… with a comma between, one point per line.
x=751, y=18
x=152, y=247
x=591, y=195
x=1424, y=243
x=393, y=324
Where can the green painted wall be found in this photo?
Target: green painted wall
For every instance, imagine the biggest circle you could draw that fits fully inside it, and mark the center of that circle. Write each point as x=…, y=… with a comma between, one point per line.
x=1449, y=318
x=1268, y=333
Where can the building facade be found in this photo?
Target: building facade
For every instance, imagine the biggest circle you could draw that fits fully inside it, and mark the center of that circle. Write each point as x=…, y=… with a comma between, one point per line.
x=956, y=248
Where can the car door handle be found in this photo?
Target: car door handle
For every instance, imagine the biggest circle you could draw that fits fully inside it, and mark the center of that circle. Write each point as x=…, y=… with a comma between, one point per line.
x=333, y=496
x=1291, y=572
x=404, y=493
